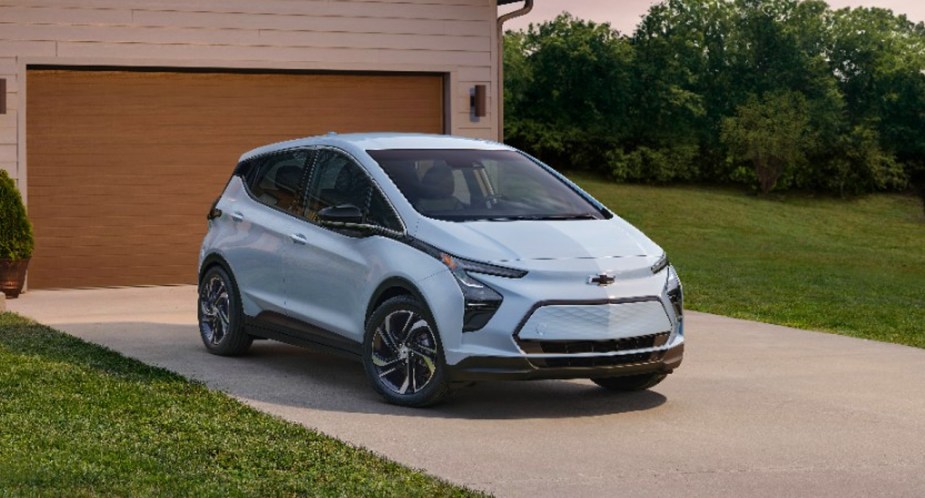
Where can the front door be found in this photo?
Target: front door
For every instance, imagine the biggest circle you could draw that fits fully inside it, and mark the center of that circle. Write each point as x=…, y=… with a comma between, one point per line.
x=327, y=269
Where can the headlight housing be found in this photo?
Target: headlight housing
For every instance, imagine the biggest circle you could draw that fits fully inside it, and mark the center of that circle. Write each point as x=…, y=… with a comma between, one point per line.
x=675, y=292
x=672, y=285
x=481, y=301
x=660, y=264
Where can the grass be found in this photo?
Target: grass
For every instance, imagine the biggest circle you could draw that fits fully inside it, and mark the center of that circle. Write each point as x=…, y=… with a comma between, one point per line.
x=854, y=267
x=80, y=420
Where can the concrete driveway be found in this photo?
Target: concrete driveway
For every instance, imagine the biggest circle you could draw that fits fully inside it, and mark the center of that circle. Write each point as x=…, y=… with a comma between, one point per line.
x=755, y=410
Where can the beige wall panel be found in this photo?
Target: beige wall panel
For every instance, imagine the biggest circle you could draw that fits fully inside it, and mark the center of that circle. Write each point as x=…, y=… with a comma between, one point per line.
x=12, y=82
x=133, y=34
x=281, y=54
x=240, y=37
x=12, y=102
x=8, y=65
x=318, y=8
x=375, y=40
x=8, y=155
x=7, y=136
x=477, y=132
x=10, y=119
x=308, y=23
x=27, y=48
x=474, y=73
x=123, y=165
x=240, y=5
x=58, y=15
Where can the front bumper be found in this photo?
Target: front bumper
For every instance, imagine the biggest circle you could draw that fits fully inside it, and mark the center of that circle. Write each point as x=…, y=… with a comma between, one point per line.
x=630, y=327
x=477, y=368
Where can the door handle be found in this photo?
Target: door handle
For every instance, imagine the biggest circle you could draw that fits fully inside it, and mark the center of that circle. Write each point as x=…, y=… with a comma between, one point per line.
x=298, y=238
x=237, y=216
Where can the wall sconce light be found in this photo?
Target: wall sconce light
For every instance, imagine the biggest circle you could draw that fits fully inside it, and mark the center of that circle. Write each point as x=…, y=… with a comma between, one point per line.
x=477, y=101
x=2, y=96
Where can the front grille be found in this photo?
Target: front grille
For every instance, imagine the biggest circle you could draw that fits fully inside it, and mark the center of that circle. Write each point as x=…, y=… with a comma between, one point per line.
x=609, y=346
x=597, y=361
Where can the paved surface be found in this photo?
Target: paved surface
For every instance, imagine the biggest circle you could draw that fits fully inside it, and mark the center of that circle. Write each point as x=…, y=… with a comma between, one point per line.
x=755, y=410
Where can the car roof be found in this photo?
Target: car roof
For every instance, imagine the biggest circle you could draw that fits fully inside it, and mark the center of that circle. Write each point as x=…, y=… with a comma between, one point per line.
x=381, y=141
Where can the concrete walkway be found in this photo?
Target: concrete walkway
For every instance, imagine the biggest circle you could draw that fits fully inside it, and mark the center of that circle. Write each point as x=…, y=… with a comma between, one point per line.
x=755, y=410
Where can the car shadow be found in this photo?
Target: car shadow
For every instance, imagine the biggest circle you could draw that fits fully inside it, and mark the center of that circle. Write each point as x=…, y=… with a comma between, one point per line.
x=340, y=384
x=280, y=374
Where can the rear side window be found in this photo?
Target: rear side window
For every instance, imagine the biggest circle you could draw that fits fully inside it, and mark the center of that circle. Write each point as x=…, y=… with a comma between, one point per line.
x=277, y=179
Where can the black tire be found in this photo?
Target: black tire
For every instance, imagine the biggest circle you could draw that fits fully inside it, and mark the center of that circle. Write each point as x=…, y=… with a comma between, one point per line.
x=403, y=354
x=630, y=382
x=221, y=318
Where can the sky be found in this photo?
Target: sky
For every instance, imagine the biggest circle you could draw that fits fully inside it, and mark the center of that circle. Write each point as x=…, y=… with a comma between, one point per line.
x=624, y=15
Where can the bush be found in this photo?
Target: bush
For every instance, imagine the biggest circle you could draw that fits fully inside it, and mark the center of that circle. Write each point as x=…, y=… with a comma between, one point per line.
x=646, y=165
x=16, y=239
x=862, y=166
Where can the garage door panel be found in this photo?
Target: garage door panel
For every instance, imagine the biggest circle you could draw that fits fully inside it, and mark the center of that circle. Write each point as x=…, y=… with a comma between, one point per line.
x=122, y=165
x=105, y=212
x=102, y=235
x=126, y=190
x=130, y=275
x=156, y=255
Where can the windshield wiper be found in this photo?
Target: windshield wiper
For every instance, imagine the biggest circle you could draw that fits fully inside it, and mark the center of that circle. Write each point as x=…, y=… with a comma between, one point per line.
x=543, y=217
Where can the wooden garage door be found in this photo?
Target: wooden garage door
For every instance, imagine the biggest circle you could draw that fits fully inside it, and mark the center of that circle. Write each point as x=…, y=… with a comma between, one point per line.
x=123, y=165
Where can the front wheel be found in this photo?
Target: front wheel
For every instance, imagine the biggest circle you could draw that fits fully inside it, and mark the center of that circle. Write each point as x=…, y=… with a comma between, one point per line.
x=630, y=382
x=403, y=355
x=221, y=319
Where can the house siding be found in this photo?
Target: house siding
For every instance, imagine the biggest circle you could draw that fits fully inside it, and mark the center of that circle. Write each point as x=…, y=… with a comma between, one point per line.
x=456, y=37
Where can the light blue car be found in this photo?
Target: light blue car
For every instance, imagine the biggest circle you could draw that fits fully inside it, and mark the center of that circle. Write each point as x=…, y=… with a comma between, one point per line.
x=437, y=261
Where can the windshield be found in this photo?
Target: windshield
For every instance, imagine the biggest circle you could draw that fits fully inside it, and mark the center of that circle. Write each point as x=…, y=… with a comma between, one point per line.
x=494, y=185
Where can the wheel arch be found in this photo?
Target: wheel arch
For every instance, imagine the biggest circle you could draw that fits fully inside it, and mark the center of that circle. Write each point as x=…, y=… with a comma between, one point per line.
x=393, y=287
x=211, y=260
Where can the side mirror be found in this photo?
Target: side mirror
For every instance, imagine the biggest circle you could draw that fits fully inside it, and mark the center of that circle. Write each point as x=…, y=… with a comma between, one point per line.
x=341, y=215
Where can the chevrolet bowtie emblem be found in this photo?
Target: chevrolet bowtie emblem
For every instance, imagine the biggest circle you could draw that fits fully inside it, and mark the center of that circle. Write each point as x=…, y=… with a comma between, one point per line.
x=601, y=280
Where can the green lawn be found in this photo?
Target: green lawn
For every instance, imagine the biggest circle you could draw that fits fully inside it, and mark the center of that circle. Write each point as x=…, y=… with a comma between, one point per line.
x=855, y=267
x=80, y=420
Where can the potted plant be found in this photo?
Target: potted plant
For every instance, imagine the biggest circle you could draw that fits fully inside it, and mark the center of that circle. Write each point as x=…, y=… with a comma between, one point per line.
x=16, y=239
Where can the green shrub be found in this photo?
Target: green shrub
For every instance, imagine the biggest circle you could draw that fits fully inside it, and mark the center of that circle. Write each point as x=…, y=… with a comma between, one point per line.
x=16, y=239
x=647, y=165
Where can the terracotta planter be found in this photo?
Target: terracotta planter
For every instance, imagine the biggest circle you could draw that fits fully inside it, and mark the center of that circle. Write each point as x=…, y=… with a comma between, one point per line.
x=12, y=276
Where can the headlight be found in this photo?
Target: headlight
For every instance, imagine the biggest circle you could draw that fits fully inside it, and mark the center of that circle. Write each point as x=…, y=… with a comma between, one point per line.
x=675, y=292
x=481, y=301
x=660, y=264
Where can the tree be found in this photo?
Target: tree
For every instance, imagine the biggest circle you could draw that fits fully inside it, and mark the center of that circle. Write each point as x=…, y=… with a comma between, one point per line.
x=574, y=108
x=771, y=132
x=703, y=81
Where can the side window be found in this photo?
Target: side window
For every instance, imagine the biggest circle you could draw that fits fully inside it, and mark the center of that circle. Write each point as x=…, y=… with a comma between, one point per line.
x=336, y=181
x=277, y=178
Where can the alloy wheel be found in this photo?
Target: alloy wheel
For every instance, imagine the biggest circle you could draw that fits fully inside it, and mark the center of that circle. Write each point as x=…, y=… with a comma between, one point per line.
x=404, y=352
x=214, y=304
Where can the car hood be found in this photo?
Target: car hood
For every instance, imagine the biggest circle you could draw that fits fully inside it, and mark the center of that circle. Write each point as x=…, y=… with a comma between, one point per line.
x=509, y=241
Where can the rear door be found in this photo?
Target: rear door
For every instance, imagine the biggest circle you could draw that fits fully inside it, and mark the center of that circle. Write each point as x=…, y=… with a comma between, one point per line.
x=260, y=224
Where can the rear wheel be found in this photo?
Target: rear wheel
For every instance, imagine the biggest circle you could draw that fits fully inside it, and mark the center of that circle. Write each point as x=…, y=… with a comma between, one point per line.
x=403, y=355
x=221, y=320
x=630, y=382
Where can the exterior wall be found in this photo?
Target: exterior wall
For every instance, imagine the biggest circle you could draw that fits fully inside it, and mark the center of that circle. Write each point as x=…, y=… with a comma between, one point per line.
x=9, y=122
x=456, y=37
